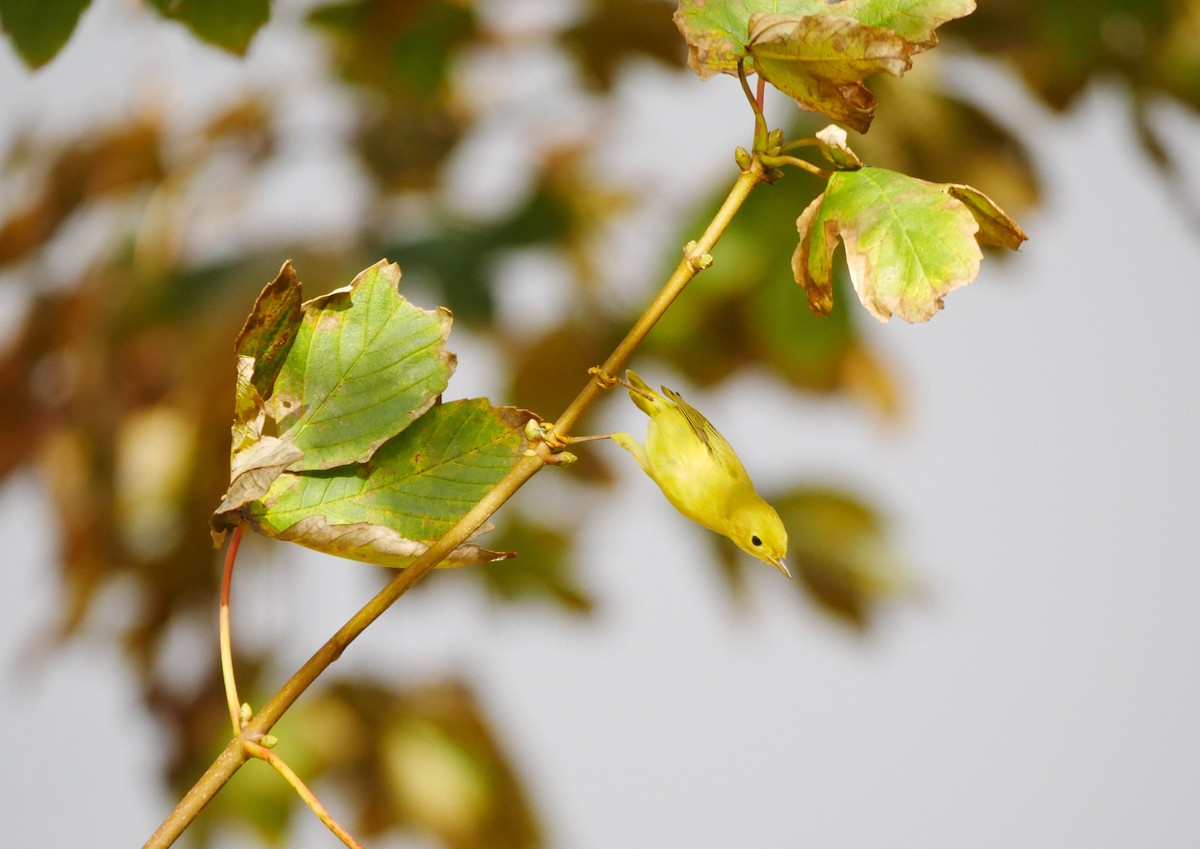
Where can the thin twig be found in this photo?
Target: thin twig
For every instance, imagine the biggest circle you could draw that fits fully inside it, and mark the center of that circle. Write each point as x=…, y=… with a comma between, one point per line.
x=231, y=694
x=260, y=751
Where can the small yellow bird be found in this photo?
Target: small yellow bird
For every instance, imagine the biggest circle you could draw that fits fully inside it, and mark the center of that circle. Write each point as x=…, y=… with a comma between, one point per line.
x=700, y=474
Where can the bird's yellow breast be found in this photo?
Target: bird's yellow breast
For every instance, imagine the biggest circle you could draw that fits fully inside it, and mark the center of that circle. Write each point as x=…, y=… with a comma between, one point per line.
x=695, y=480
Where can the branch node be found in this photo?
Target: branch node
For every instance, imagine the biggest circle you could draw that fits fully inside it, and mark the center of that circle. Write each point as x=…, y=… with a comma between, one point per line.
x=603, y=379
x=561, y=458
x=697, y=260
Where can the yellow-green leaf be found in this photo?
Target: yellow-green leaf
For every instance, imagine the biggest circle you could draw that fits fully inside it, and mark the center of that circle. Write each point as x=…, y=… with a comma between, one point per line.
x=908, y=242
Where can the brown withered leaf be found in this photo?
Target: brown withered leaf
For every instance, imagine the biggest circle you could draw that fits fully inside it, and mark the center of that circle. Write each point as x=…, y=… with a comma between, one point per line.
x=372, y=543
x=820, y=61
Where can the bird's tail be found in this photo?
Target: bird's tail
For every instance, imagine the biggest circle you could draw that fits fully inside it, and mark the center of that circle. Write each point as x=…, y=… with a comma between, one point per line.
x=648, y=401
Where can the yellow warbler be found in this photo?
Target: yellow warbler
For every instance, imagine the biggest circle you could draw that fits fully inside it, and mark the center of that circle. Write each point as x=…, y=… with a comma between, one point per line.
x=700, y=474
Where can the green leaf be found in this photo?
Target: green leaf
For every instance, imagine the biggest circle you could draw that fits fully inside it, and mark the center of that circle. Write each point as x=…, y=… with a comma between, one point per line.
x=363, y=365
x=908, y=242
x=40, y=28
x=414, y=489
x=817, y=52
x=325, y=383
x=229, y=24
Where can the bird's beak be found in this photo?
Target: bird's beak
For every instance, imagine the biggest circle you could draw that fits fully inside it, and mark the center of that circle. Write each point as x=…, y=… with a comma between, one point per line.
x=781, y=565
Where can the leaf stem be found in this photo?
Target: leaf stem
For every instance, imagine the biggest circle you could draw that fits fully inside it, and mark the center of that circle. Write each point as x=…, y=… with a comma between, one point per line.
x=231, y=758
x=231, y=694
x=804, y=164
x=760, y=120
x=806, y=141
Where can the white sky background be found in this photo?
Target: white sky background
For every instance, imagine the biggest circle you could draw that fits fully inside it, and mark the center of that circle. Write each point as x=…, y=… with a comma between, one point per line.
x=1043, y=691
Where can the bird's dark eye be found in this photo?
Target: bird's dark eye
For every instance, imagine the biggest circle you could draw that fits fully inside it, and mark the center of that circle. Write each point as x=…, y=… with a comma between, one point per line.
x=755, y=540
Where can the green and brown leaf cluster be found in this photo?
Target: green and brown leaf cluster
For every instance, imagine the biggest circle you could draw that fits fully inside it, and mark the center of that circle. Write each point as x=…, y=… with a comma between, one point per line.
x=340, y=442
x=817, y=53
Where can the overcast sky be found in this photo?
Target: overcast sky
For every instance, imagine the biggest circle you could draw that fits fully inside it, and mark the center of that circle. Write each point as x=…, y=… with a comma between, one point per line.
x=1041, y=692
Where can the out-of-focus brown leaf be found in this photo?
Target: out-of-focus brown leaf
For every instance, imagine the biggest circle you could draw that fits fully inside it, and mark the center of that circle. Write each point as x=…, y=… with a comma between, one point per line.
x=563, y=210
x=1152, y=48
x=615, y=31
x=102, y=164
x=543, y=569
x=33, y=379
x=404, y=142
x=549, y=371
x=837, y=550
x=421, y=759
x=399, y=54
x=926, y=132
x=1060, y=47
x=840, y=550
x=249, y=123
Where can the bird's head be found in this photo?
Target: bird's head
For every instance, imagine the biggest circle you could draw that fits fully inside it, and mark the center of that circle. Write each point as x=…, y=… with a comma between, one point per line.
x=757, y=530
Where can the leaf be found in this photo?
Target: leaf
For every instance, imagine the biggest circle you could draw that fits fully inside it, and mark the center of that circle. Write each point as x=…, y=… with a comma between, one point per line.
x=270, y=329
x=545, y=570
x=836, y=148
x=254, y=470
x=944, y=138
x=101, y=165
x=995, y=225
x=325, y=383
x=39, y=28
x=908, y=242
x=840, y=550
x=365, y=363
x=817, y=52
x=229, y=24
x=914, y=20
x=612, y=32
x=820, y=62
x=413, y=490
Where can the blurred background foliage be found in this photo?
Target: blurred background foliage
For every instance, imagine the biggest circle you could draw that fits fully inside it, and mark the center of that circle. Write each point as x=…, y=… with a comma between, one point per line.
x=117, y=379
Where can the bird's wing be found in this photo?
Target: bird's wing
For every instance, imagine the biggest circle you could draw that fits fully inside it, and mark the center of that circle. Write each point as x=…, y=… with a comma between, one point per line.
x=717, y=445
